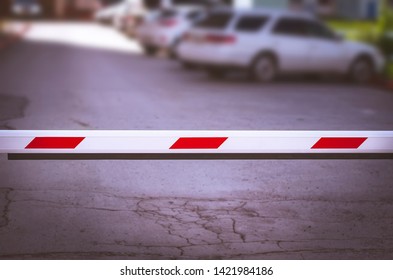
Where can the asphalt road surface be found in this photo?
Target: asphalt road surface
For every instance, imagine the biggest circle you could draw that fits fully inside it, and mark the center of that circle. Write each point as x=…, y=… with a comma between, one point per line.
x=86, y=76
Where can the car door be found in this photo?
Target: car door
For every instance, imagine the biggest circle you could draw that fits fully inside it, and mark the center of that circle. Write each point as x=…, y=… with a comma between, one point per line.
x=328, y=52
x=291, y=44
x=248, y=29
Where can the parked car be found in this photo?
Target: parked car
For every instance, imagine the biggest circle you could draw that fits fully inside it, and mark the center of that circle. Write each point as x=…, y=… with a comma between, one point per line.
x=166, y=29
x=165, y=4
x=269, y=42
x=122, y=14
x=132, y=19
x=26, y=8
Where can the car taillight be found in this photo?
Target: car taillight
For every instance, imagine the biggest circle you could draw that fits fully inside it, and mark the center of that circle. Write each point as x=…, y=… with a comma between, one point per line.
x=220, y=39
x=168, y=22
x=129, y=19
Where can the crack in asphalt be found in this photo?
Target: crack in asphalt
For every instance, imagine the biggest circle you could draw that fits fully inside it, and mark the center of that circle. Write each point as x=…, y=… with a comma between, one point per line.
x=174, y=219
x=242, y=236
x=12, y=107
x=195, y=223
x=79, y=255
x=7, y=127
x=242, y=201
x=387, y=253
x=5, y=211
x=81, y=123
x=124, y=243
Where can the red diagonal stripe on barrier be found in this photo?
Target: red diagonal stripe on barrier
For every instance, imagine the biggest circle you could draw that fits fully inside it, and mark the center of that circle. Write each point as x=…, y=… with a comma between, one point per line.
x=198, y=143
x=55, y=142
x=339, y=143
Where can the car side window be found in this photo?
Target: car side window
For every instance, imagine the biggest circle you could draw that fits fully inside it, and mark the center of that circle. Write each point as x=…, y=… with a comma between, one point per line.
x=291, y=27
x=251, y=23
x=318, y=30
x=194, y=15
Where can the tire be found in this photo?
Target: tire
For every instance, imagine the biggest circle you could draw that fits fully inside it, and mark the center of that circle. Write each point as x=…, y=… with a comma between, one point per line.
x=173, y=50
x=362, y=70
x=150, y=51
x=172, y=54
x=188, y=65
x=216, y=73
x=264, y=69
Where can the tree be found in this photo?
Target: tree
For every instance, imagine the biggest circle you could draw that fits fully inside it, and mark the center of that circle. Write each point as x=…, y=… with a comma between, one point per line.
x=386, y=27
x=386, y=16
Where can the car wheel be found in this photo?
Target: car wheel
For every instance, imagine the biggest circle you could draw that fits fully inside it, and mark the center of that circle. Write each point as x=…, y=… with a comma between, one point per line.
x=172, y=54
x=188, y=65
x=362, y=70
x=216, y=73
x=150, y=51
x=264, y=69
x=173, y=49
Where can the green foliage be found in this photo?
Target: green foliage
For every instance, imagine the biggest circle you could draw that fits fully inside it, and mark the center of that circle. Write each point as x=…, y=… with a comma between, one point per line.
x=388, y=72
x=385, y=23
x=385, y=43
x=379, y=33
x=364, y=31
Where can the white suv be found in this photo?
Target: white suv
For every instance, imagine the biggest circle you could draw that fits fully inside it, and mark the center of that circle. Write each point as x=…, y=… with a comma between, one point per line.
x=270, y=42
x=167, y=28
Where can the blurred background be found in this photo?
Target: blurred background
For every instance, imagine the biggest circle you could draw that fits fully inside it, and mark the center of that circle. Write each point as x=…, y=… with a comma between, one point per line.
x=368, y=21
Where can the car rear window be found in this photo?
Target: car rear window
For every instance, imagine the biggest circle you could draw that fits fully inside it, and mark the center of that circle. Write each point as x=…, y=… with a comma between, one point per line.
x=251, y=23
x=216, y=20
x=27, y=2
x=194, y=15
x=168, y=14
x=191, y=2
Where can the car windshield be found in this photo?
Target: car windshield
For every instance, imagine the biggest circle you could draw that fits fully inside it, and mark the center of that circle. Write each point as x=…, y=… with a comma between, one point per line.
x=216, y=20
x=152, y=4
x=193, y=15
x=26, y=2
x=168, y=14
x=191, y=2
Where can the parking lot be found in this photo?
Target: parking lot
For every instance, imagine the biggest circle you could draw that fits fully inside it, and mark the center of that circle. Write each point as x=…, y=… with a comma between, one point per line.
x=57, y=79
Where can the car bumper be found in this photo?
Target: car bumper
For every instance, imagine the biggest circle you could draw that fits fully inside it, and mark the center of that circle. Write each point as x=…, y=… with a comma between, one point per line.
x=157, y=39
x=204, y=54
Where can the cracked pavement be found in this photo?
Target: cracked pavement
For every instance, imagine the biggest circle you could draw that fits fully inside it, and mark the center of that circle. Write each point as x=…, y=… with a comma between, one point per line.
x=181, y=209
x=189, y=228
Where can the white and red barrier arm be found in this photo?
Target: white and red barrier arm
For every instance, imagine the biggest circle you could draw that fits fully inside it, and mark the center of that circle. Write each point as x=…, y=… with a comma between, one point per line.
x=115, y=144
